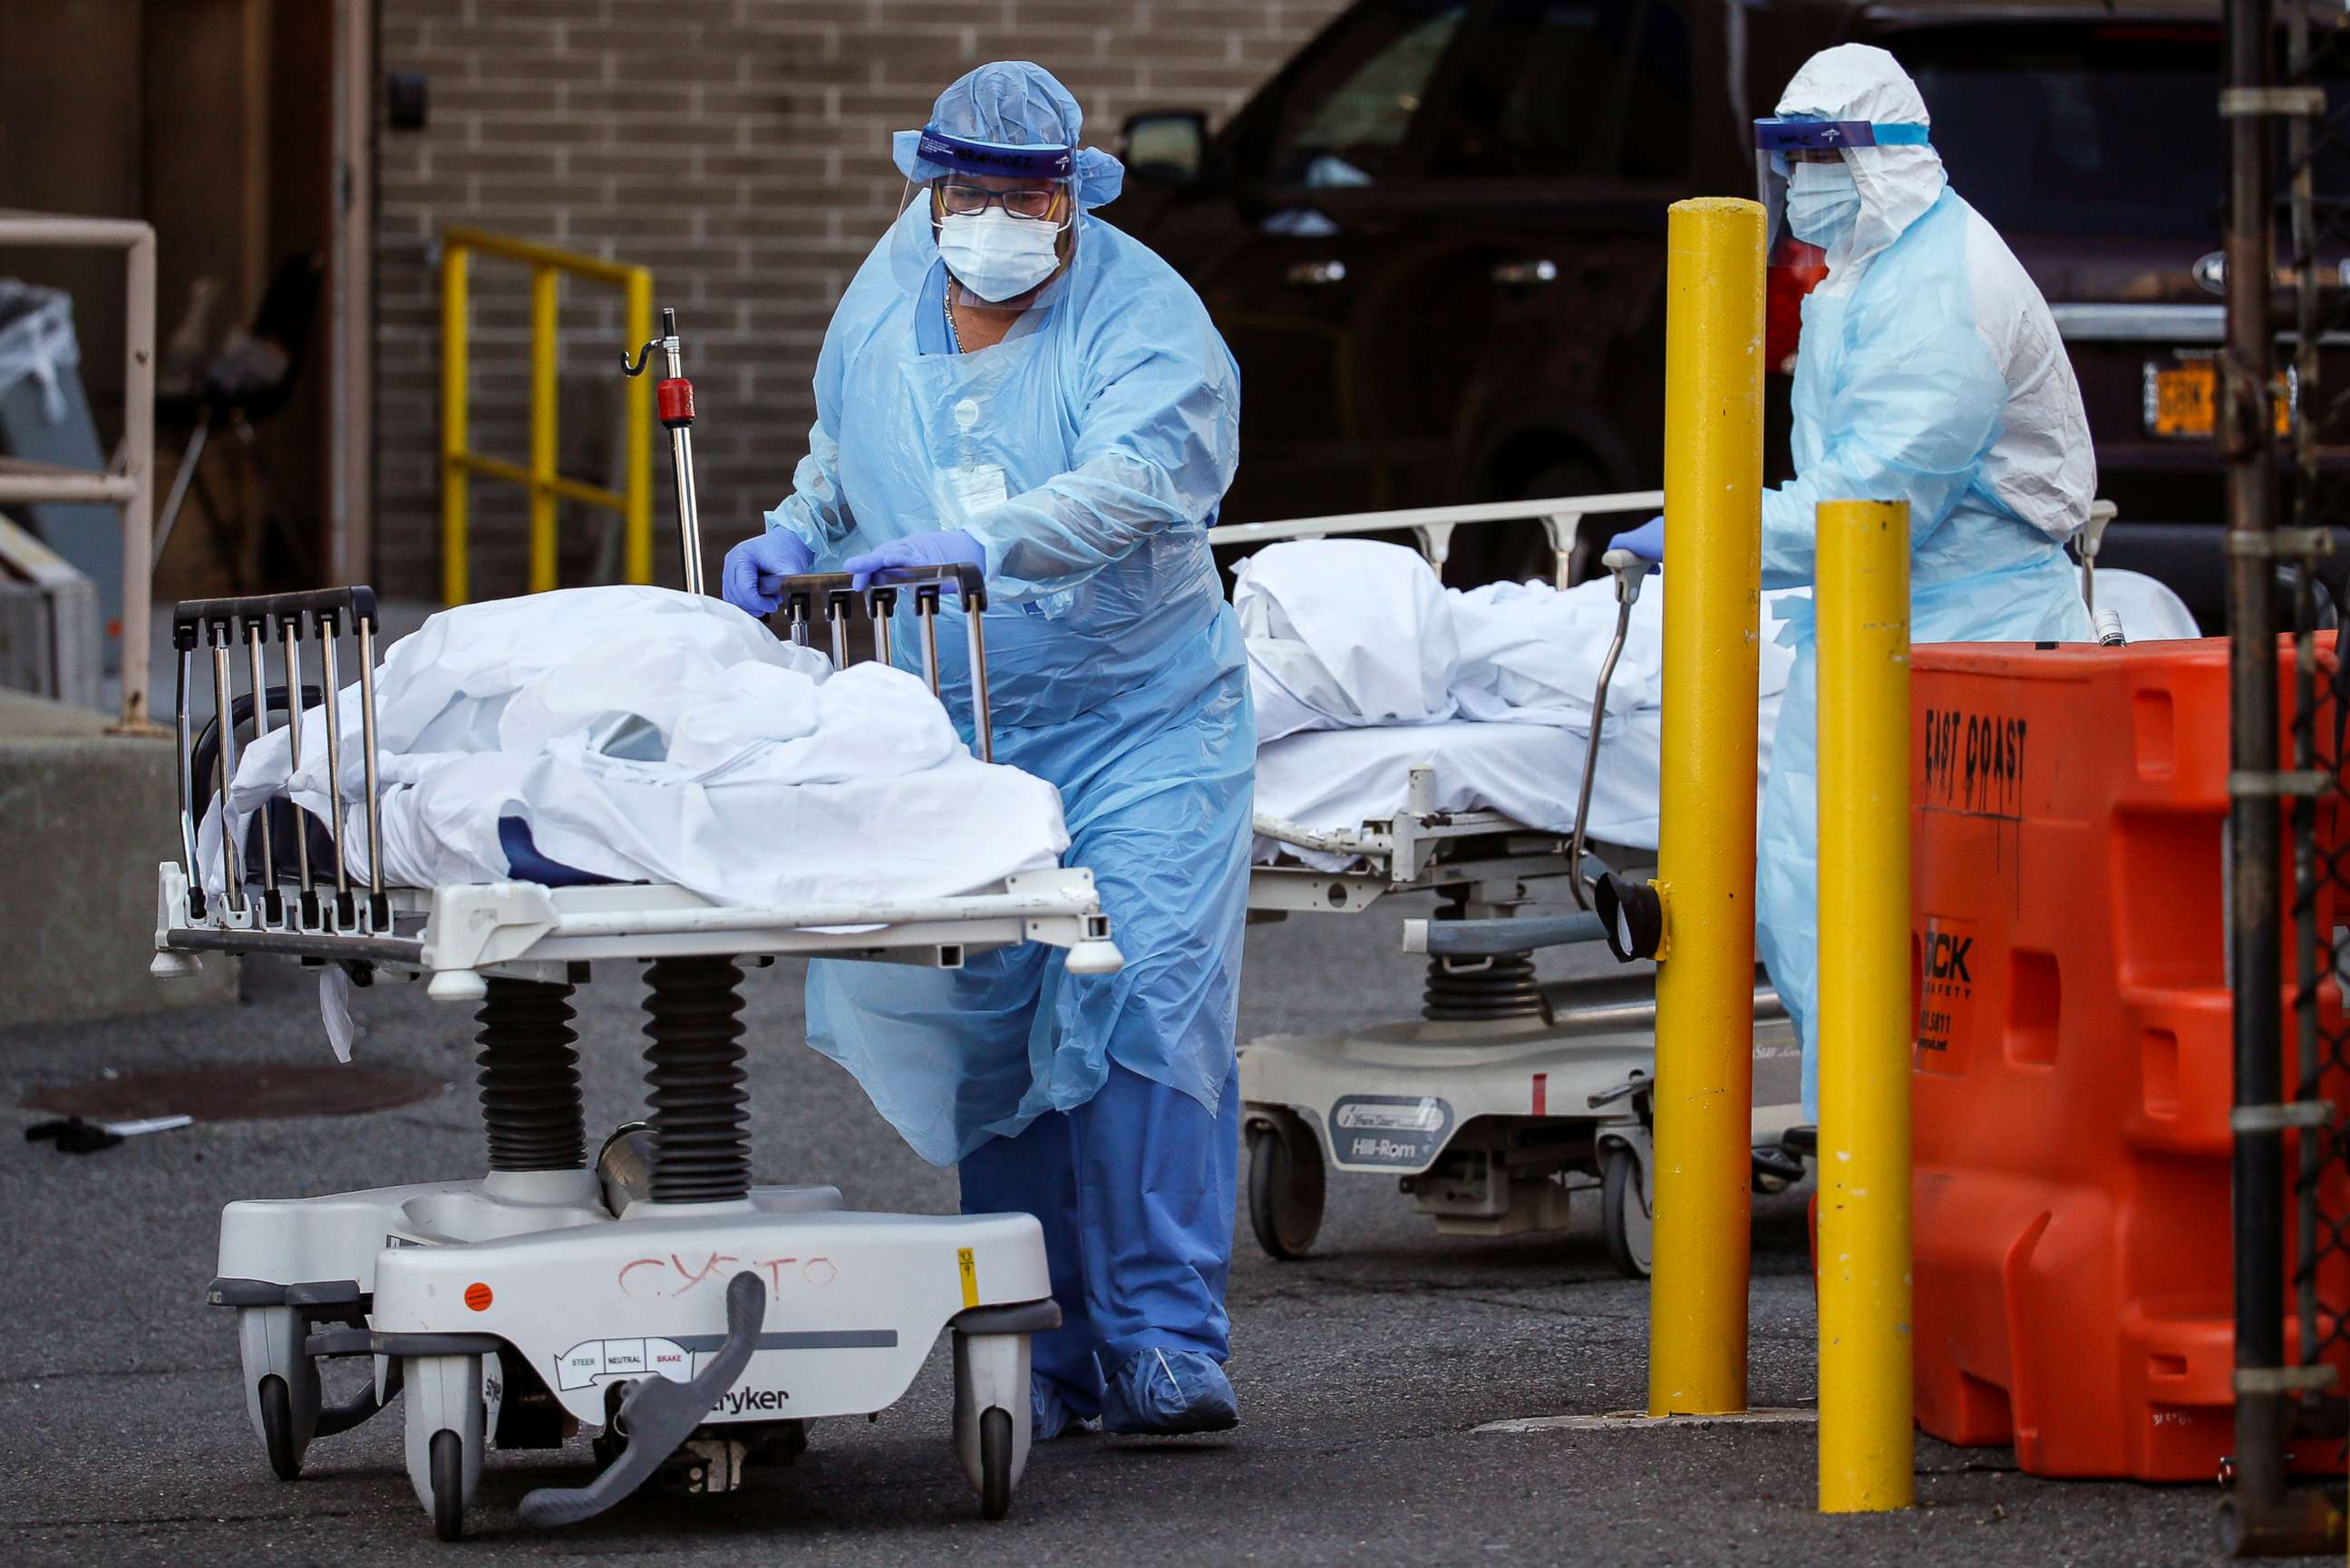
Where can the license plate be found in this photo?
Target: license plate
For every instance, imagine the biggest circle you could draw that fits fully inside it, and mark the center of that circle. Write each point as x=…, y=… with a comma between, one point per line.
x=2184, y=400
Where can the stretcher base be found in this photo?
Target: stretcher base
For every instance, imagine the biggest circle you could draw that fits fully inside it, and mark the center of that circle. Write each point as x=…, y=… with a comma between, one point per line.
x=513, y=1310
x=1489, y=1128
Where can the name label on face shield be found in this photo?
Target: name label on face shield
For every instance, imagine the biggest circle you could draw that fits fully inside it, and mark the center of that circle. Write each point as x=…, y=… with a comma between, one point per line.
x=996, y=255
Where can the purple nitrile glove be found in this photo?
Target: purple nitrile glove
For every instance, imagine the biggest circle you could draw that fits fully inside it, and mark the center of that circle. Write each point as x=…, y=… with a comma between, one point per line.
x=756, y=569
x=1647, y=540
x=945, y=548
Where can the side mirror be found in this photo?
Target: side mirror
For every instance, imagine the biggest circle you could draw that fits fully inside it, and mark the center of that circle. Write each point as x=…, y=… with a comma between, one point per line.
x=1167, y=145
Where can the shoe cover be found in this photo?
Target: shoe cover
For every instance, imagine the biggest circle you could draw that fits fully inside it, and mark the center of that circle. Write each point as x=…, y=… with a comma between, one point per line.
x=1049, y=1414
x=1167, y=1393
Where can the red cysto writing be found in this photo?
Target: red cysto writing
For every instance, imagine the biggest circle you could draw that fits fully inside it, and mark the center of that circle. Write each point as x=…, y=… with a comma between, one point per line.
x=674, y=1275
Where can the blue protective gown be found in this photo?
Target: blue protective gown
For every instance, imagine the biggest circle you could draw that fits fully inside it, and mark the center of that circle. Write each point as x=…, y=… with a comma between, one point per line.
x=1108, y=423
x=1898, y=395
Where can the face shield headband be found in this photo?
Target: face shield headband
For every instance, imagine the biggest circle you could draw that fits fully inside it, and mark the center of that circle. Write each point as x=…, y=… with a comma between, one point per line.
x=1783, y=136
x=987, y=157
x=1780, y=142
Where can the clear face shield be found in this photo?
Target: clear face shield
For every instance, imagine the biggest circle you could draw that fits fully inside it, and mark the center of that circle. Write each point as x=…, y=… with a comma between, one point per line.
x=1003, y=219
x=1804, y=176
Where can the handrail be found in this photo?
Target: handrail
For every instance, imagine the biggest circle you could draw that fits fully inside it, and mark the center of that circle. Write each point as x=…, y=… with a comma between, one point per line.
x=460, y=463
x=129, y=481
x=1559, y=515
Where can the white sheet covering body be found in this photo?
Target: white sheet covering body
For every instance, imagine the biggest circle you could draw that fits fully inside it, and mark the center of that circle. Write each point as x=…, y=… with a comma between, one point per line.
x=1372, y=668
x=1331, y=625
x=644, y=734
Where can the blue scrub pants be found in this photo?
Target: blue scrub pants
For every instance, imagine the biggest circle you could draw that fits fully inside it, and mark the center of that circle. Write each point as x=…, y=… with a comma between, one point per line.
x=1135, y=1189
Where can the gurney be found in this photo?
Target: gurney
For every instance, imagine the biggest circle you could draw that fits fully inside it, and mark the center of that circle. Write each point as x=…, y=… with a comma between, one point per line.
x=700, y=1322
x=1506, y=1096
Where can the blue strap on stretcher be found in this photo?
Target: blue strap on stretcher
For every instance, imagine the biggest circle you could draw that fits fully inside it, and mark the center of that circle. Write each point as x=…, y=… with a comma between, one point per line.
x=526, y=863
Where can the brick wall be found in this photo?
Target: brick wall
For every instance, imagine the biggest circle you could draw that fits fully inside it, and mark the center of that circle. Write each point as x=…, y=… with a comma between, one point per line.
x=739, y=147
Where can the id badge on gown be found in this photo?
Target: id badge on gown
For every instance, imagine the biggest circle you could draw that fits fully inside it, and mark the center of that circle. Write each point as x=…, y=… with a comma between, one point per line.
x=981, y=487
x=976, y=489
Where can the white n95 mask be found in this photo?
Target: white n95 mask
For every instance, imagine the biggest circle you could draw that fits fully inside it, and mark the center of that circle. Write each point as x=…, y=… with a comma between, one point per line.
x=996, y=255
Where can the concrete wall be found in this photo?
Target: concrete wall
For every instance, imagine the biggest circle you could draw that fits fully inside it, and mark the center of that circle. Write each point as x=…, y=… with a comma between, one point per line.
x=85, y=817
x=740, y=148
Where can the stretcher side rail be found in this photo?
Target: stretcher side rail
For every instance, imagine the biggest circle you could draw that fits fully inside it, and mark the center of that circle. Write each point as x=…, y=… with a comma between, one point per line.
x=1560, y=517
x=460, y=935
x=1433, y=526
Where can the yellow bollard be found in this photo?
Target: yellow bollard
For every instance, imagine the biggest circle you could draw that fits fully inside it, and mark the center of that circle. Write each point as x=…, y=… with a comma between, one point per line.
x=1705, y=861
x=1865, y=1018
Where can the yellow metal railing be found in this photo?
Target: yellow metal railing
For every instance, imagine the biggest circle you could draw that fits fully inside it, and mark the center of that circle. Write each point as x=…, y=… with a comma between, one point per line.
x=459, y=462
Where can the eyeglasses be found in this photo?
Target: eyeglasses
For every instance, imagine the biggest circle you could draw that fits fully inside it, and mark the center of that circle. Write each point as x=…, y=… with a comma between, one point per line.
x=1039, y=203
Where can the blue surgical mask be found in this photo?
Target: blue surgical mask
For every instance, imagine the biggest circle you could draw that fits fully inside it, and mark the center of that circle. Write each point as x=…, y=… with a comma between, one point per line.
x=996, y=255
x=1822, y=201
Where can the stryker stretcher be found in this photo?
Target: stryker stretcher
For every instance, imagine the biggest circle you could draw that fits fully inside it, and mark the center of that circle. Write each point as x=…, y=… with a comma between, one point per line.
x=701, y=1322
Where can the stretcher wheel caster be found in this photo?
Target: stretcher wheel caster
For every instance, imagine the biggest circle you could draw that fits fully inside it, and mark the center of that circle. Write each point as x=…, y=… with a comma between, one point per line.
x=449, y=1422
x=278, y=1429
x=995, y=1464
x=1286, y=1187
x=1624, y=1211
x=448, y=1462
x=992, y=1412
x=281, y=1384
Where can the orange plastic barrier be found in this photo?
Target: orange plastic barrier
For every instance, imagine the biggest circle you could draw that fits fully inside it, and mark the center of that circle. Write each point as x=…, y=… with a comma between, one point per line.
x=2072, y=1065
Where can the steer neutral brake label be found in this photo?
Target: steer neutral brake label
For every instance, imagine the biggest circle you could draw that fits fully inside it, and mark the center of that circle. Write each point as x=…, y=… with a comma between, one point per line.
x=1405, y=1130
x=592, y=1361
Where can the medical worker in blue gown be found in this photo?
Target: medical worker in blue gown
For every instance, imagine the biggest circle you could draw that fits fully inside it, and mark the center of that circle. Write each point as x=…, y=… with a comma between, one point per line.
x=1929, y=370
x=1011, y=383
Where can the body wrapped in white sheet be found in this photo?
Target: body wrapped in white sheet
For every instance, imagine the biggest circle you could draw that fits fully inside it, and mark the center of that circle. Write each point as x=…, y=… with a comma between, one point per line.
x=643, y=734
x=1364, y=667
x=1338, y=628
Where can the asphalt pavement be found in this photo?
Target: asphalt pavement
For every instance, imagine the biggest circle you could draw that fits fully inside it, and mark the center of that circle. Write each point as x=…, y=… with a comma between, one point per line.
x=1363, y=1371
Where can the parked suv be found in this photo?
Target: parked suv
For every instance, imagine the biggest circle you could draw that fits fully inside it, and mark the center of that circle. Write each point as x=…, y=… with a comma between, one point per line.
x=1435, y=240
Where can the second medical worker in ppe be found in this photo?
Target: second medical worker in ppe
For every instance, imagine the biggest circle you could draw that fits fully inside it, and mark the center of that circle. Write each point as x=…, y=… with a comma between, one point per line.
x=1010, y=383
x=1930, y=372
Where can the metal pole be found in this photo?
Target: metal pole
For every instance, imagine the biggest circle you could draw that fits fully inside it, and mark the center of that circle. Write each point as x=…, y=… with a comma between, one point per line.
x=225, y=767
x=290, y=629
x=343, y=920
x=255, y=635
x=1705, y=863
x=2247, y=442
x=379, y=914
x=139, y=465
x=680, y=459
x=1864, y=1023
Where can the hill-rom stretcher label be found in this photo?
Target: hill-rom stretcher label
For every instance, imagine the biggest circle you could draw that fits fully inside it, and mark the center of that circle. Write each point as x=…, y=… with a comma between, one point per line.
x=1388, y=1129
